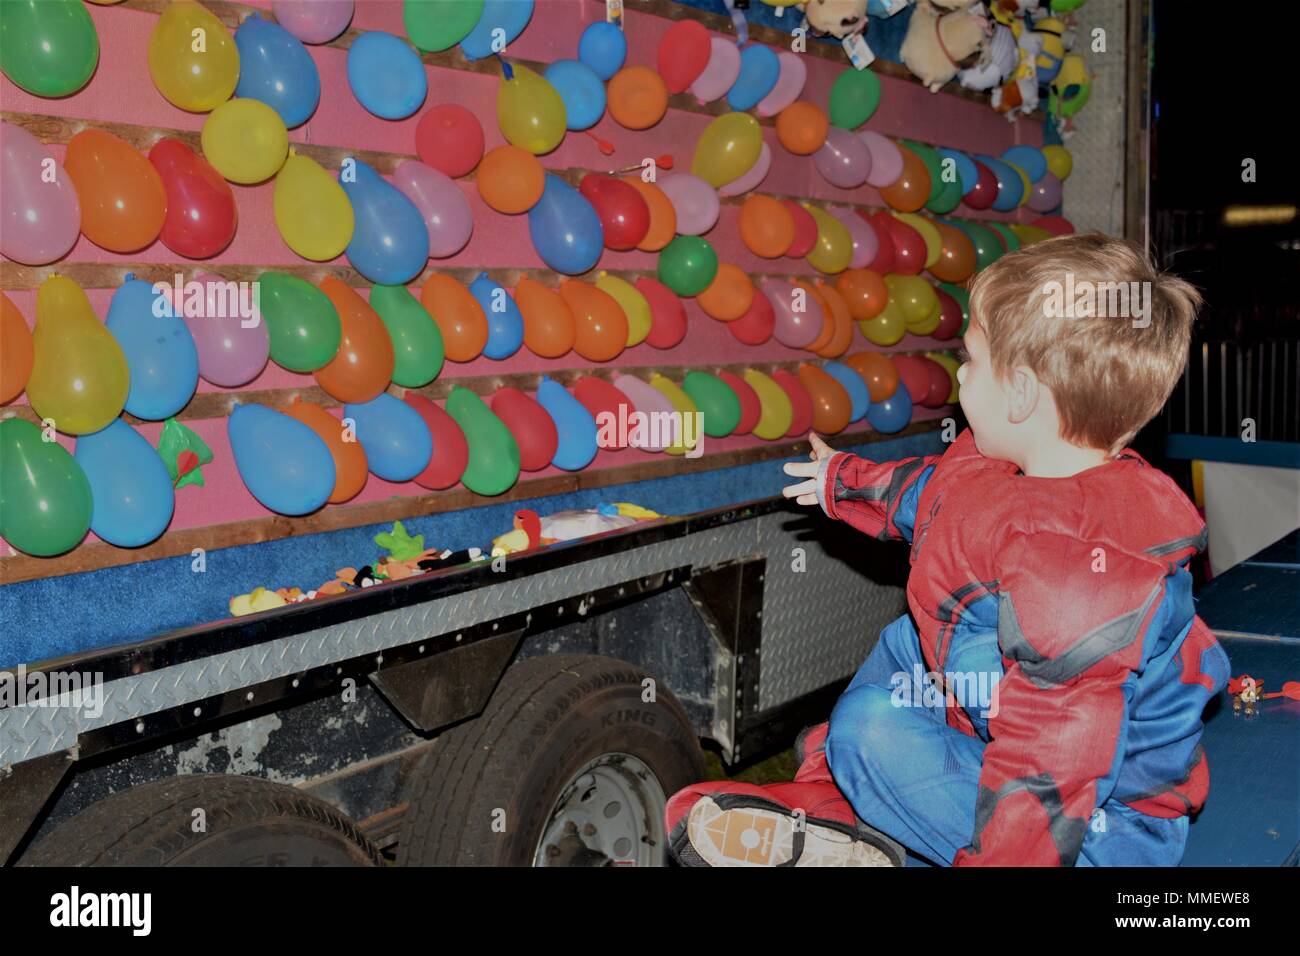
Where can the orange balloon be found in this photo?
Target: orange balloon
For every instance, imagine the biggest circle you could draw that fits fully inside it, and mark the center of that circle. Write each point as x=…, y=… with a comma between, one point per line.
x=350, y=469
x=510, y=179
x=766, y=226
x=663, y=217
x=636, y=97
x=599, y=320
x=878, y=371
x=828, y=322
x=460, y=318
x=839, y=320
x=123, y=202
x=802, y=127
x=363, y=365
x=549, y=326
x=830, y=400
x=912, y=189
x=16, y=352
x=729, y=295
x=864, y=292
x=956, y=255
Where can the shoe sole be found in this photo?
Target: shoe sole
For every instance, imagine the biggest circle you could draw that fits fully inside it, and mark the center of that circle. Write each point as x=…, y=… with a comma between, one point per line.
x=752, y=836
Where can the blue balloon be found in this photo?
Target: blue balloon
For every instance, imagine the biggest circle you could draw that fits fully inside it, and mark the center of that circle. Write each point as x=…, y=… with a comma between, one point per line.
x=582, y=91
x=510, y=16
x=160, y=354
x=576, y=427
x=854, y=384
x=396, y=441
x=130, y=491
x=603, y=47
x=284, y=464
x=386, y=76
x=891, y=414
x=759, y=69
x=276, y=68
x=967, y=173
x=505, y=321
x=1028, y=158
x=565, y=229
x=1010, y=186
x=390, y=243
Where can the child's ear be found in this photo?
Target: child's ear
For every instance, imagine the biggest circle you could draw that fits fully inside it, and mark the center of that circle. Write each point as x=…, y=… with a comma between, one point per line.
x=1022, y=391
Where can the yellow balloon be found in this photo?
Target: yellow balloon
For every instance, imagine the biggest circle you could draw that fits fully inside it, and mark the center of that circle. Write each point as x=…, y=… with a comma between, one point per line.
x=632, y=302
x=530, y=112
x=915, y=297
x=833, y=249
x=888, y=328
x=1059, y=161
x=951, y=364
x=684, y=406
x=728, y=148
x=1028, y=188
x=775, y=411
x=312, y=211
x=79, y=374
x=929, y=233
x=245, y=140
x=193, y=58
x=931, y=322
x=1029, y=234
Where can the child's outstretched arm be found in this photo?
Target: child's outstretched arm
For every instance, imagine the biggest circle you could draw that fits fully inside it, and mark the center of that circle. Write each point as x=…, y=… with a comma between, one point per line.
x=877, y=498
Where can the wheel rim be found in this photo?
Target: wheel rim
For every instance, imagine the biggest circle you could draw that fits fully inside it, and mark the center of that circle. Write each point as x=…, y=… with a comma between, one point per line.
x=611, y=812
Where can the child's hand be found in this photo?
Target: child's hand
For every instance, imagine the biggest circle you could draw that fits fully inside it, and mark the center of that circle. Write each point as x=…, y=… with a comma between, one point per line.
x=805, y=492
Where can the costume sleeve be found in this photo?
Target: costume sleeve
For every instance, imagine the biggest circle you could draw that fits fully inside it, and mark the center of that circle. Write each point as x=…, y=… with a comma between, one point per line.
x=877, y=498
x=1072, y=618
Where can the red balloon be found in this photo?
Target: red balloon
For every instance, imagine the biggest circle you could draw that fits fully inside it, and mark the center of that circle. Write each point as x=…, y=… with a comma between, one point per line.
x=884, y=261
x=532, y=426
x=623, y=213
x=750, y=406
x=805, y=230
x=667, y=314
x=1056, y=225
x=601, y=398
x=985, y=189
x=800, y=401
x=950, y=316
x=684, y=52
x=201, y=213
x=940, y=383
x=450, y=139
x=915, y=376
x=909, y=246
x=450, y=449
x=755, y=326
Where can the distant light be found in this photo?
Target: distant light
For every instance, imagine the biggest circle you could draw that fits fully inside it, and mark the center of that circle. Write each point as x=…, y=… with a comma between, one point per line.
x=1258, y=215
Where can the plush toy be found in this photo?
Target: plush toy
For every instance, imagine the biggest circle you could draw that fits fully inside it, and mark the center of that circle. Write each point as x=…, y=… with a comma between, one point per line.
x=996, y=63
x=1020, y=92
x=837, y=18
x=940, y=45
x=1054, y=41
x=1069, y=93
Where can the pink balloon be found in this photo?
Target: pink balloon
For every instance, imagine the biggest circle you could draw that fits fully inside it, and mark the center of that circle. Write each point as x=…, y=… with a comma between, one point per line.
x=649, y=400
x=1046, y=194
x=886, y=159
x=843, y=160
x=694, y=201
x=313, y=21
x=789, y=84
x=795, y=329
x=865, y=243
x=441, y=203
x=39, y=219
x=227, y=329
x=757, y=173
x=720, y=73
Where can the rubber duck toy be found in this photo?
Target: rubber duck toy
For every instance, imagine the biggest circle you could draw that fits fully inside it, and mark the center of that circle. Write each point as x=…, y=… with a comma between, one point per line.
x=259, y=599
x=527, y=534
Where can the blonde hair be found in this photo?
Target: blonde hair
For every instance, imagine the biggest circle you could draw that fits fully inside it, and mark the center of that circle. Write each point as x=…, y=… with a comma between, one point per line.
x=1109, y=374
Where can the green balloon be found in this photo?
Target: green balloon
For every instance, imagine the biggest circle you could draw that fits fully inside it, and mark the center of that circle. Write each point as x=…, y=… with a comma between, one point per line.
x=301, y=321
x=44, y=495
x=933, y=165
x=48, y=47
x=434, y=25
x=687, y=265
x=949, y=198
x=987, y=247
x=417, y=340
x=716, y=401
x=1011, y=240
x=963, y=300
x=854, y=98
x=493, y=452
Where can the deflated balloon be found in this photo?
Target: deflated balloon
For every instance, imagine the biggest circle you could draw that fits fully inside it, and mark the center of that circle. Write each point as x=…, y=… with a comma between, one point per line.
x=574, y=426
x=397, y=443
x=417, y=340
x=301, y=321
x=493, y=464
x=130, y=488
x=283, y=463
x=160, y=355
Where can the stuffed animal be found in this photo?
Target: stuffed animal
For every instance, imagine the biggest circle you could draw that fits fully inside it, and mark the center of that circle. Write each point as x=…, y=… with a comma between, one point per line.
x=1055, y=40
x=1069, y=93
x=837, y=18
x=940, y=45
x=996, y=63
x=1020, y=92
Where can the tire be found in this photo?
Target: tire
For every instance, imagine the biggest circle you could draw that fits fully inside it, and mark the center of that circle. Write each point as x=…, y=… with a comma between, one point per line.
x=490, y=789
x=249, y=822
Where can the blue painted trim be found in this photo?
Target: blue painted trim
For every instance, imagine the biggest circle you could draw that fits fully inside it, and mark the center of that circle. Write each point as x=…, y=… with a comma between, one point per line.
x=1266, y=454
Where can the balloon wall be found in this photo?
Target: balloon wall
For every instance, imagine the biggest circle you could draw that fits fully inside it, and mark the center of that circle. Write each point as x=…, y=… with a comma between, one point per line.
x=353, y=253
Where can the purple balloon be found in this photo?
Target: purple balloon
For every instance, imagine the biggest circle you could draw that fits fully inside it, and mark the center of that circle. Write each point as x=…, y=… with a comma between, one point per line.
x=843, y=160
x=445, y=210
x=751, y=180
x=1046, y=194
x=313, y=21
x=719, y=73
x=789, y=84
x=886, y=159
x=39, y=219
x=865, y=243
x=230, y=353
x=694, y=201
x=647, y=399
x=791, y=328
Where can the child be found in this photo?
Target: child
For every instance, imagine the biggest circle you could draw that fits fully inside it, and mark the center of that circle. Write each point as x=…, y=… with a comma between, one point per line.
x=1041, y=704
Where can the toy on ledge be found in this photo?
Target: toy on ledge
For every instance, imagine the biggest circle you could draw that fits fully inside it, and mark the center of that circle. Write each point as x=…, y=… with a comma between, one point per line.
x=939, y=45
x=531, y=531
